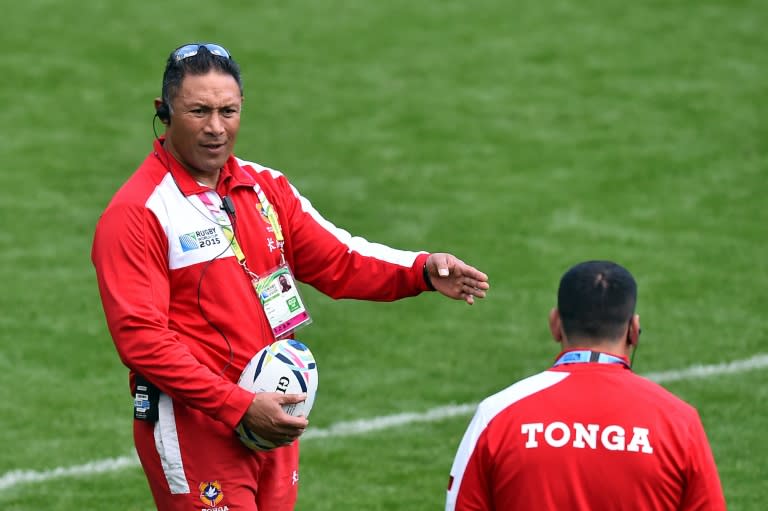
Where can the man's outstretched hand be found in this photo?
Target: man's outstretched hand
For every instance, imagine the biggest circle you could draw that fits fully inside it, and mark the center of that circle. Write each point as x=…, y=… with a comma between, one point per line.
x=456, y=279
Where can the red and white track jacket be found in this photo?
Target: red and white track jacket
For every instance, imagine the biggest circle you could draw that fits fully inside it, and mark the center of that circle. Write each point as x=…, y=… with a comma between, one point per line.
x=585, y=437
x=164, y=266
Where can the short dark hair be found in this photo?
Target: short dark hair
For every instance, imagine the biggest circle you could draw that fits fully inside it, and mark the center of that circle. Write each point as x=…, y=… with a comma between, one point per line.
x=596, y=300
x=198, y=64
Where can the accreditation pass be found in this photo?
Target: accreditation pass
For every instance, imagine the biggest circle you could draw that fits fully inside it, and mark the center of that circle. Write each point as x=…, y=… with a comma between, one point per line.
x=281, y=301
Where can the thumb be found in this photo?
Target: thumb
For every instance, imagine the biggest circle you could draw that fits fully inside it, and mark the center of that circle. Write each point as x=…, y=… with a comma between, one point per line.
x=441, y=262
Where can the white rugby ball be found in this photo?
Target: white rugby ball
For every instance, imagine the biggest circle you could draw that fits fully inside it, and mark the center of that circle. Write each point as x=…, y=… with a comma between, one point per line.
x=285, y=366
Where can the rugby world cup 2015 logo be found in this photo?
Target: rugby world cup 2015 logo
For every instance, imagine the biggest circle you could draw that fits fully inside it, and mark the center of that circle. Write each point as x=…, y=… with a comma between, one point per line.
x=210, y=493
x=188, y=242
x=199, y=239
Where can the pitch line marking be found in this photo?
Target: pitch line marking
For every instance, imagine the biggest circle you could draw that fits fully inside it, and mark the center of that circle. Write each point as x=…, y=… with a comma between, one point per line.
x=363, y=426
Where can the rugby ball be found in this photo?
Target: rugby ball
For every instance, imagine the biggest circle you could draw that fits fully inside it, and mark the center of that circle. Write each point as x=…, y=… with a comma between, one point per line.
x=285, y=366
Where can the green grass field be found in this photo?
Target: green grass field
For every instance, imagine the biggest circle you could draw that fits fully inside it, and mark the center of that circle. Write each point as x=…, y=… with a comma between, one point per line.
x=521, y=136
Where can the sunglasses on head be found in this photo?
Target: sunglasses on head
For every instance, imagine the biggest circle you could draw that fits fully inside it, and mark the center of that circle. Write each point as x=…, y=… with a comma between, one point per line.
x=190, y=50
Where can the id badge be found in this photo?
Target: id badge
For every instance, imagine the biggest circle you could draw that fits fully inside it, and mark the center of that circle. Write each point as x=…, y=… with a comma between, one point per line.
x=281, y=300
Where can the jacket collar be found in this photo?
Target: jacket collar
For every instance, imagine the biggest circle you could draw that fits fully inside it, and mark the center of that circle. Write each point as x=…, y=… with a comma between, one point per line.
x=231, y=176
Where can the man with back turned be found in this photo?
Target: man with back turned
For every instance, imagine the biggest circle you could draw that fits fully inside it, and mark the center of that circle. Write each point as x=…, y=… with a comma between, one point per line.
x=588, y=433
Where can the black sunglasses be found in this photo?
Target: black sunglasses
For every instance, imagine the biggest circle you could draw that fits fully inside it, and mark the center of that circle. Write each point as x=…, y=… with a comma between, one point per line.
x=190, y=50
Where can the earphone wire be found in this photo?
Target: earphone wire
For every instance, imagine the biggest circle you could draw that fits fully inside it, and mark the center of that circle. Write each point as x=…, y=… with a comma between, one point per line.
x=632, y=357
x=634, y=349
x=218, y=330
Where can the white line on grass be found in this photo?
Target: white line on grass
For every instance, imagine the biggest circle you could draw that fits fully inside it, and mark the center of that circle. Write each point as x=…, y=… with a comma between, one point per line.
x=363, y=426
x=758, y=361
x=16, y=477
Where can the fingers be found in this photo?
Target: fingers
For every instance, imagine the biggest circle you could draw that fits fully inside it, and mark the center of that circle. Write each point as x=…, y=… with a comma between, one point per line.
x=474, y=289
x=289, y=434
x=475, y=274
x=473, y=284
x=288, y=399
x=448, y=265
x=469, y=293
x=266, y=417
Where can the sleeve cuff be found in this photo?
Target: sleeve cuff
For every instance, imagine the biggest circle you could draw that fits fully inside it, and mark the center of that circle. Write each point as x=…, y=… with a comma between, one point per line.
x=235, y=406
x=424, y=283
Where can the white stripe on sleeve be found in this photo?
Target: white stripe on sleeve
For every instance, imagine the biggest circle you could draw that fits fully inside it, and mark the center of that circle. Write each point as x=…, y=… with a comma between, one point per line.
x=357, y=244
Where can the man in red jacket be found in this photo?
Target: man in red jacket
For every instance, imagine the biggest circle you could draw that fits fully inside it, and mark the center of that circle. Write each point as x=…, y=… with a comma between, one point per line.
x=587, y=434
x=186, y=255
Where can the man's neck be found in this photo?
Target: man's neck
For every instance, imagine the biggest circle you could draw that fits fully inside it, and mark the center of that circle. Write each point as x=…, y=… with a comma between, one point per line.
x=618, y=348
x=209, y=179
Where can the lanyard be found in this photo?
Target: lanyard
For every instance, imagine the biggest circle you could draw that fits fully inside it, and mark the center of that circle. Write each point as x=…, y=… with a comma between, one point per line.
x=270, y=214
x=585, y=356
x=276, y=289
x=222, y=219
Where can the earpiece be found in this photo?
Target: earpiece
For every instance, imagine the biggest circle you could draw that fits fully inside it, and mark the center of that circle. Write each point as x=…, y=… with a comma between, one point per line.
x=163, y=113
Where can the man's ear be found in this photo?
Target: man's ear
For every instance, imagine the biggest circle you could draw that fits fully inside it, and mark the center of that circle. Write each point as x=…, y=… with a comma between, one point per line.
x=633, y=333
x=162, y=111
x=555, y=325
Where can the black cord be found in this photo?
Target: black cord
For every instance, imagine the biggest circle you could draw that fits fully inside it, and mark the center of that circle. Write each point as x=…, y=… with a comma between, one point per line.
x=207, y=264
x=634, y=350
x=202, y=311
